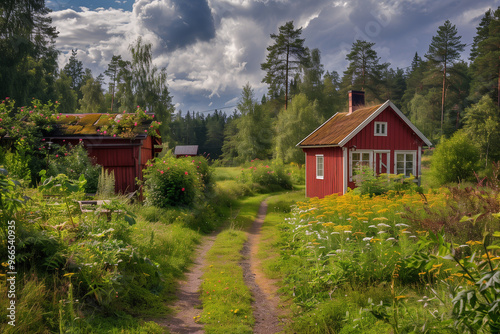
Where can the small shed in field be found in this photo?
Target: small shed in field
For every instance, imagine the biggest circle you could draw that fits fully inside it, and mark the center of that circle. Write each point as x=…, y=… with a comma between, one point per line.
x=127, y=157
x=379, y=136
x=186, y=151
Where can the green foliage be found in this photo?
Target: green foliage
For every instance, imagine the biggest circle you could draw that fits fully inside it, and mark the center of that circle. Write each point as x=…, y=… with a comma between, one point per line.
x=283, y=59
x=367, y=183
x=132, y=124
x=269, y=176
x=293, y=125
x=106, y=183
x=482, y=126
x=485, y=57
x=455, y=159
x=176, y=182
x=364, y=70
x=74, y=162
x=252, y=140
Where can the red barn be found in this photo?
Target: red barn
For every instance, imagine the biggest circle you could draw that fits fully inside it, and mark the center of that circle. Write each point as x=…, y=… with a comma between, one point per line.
x=127, y=157
x=380, y=137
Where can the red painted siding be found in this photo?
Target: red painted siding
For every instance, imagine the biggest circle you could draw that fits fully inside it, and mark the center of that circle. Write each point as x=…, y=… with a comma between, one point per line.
x=399, y=135
x=332, y=181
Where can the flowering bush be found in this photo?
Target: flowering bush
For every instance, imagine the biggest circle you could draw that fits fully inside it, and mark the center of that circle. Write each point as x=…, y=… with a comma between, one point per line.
x=175, y=182
x=131, y=124
x=271, y=176
x=73, y=162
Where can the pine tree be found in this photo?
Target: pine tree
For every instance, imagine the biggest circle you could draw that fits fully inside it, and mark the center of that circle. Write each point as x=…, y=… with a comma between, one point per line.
x=443, y=51
x=482, y=32
x=364, y=71
x=486, y=64
x=283, y=59
x=112, y=72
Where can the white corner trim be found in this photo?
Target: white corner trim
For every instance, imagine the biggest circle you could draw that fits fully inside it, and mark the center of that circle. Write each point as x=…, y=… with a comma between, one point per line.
x=344, y=151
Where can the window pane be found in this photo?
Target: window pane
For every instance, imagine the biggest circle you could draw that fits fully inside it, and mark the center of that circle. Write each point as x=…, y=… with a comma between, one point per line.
x=355, y=156
x=400, y=166
x=382, y=128
x=400, y=157
x=366, y=156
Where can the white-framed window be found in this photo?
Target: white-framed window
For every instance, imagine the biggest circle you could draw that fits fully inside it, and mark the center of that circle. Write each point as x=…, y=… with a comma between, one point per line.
x=358, y=160
x=380, y=128
x=405, y=162
x=320, y=166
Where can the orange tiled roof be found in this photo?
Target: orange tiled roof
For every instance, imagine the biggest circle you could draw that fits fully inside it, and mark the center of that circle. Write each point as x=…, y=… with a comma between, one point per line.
x=338, y=127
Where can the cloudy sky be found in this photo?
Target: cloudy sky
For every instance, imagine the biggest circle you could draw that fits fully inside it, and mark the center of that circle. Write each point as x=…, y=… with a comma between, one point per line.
x=211, y=48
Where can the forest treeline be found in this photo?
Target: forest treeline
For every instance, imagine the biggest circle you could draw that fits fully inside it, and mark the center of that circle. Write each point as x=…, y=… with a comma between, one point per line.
x=439, y=91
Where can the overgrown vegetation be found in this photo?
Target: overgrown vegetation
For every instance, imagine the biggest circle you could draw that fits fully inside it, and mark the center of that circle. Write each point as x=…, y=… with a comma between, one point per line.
x=400, y=262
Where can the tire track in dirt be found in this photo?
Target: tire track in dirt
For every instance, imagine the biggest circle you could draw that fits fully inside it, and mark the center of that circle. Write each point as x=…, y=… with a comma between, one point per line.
x=188, y=304
x=264, y=292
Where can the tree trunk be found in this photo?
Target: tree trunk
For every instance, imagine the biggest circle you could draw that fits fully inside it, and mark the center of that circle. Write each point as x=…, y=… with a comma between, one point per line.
x=443, y=97
x=286, y=77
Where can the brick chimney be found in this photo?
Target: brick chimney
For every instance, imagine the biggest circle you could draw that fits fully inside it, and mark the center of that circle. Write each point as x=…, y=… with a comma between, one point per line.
x=356, y=100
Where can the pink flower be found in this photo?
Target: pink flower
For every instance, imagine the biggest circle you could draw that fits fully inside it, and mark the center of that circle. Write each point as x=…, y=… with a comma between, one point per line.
x=65, y=154
x=183, y=189
x=135, y=124
x=43, y=139
x=57, y=102
x=67, y=116
x=114, y=135
x=124, y=111
x=153, y=116
x=57, y=117
x=186, y=173
x=57, y=155
x=0, y=119
x=161, y=172
x=267, y=166
x=118, y=121
x=145, y=130
x=138, y=107
x=31, y=111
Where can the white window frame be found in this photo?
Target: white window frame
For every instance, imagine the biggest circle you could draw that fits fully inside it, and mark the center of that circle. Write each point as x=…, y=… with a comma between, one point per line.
x=414, y=162
x=381, y=125
x=320, y=172
x=370, y=162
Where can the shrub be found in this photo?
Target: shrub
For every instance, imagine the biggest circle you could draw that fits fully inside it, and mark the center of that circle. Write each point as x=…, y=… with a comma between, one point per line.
x=267, y=176
x=455, y=159
x=173, y=182
x=74, y=162
x=367, y=183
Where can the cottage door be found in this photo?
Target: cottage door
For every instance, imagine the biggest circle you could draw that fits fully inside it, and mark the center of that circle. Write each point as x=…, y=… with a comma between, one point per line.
x=382, y=163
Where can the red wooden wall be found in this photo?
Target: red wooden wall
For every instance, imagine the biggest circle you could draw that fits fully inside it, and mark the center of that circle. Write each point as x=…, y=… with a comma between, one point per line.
x=332, y=181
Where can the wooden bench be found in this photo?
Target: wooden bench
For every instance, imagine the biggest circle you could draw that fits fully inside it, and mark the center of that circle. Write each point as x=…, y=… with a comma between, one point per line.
x=95, y=205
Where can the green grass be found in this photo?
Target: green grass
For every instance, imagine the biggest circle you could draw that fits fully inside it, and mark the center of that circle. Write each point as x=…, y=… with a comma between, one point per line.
x=225, y=297
x=226, y=173
x=277, y=207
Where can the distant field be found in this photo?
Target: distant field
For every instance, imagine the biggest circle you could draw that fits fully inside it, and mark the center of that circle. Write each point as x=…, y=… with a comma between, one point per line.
x=226, y=173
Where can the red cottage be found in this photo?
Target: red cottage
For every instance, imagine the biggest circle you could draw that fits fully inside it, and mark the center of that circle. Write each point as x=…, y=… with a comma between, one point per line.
x=379, y=136
x=127, y=157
